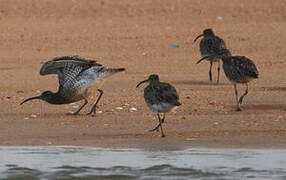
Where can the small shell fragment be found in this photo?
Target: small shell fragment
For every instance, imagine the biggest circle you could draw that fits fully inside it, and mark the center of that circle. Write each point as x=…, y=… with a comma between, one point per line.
x=75, y=106
x=132, y=109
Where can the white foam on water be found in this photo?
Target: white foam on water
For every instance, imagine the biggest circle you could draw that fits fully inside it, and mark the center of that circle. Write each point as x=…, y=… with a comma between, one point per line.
x=214, y=163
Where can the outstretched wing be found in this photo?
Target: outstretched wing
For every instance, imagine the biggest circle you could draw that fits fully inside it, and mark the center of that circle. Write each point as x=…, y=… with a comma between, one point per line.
x=58, y=63
x=67, y=68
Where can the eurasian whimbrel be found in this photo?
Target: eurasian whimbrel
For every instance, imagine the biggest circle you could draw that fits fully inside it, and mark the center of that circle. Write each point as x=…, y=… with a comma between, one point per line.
x=78, y=79
x=160, y=97
x=209, y=45
x=238, y=69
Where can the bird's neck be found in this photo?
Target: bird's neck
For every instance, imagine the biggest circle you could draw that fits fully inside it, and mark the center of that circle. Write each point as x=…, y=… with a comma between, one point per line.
x=210, y=35
x=154, y=82
x=54, y=98
x=226, y=58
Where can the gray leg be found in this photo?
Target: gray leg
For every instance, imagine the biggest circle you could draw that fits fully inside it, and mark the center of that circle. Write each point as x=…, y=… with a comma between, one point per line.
x=210, y=72
x=157, y=127
x=85, y=102
x=218, y=71
x=160, y=121
x=236, y=97
x=93, y=109
x=163, y=119
x=245, y=93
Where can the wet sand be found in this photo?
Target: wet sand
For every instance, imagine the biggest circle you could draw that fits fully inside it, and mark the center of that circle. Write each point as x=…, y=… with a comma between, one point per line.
x=138, y=35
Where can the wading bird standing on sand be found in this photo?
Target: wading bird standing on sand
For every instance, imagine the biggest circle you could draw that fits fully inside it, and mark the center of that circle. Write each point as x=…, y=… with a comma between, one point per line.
x=209, y=45
x=238, y=69
x=78, y=79
x=160, y=97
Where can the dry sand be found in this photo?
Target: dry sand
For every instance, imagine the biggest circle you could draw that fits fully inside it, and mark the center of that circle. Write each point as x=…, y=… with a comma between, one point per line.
x=138, y=35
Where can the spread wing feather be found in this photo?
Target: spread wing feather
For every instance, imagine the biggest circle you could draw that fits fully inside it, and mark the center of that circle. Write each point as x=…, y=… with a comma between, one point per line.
x=53, y=66
x=67, y=68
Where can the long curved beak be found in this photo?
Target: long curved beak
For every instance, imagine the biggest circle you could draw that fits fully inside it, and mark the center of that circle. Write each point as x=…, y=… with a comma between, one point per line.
x=141, y=83
x=198, y=37
x=29, y=99
x=202, y=59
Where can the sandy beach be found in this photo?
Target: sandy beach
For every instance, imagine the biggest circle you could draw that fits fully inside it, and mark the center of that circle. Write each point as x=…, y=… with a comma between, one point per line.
x=138, y=35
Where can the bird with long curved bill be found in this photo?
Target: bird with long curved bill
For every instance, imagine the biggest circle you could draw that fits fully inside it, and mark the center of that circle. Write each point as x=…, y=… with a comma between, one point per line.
x=160, y=97
x=78, y=77
x=238, y=69
x=210, y=45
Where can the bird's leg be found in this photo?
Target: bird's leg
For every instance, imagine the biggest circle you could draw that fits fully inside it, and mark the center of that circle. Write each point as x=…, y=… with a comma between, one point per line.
x=93, y=109
x=163, y=119
x=157, y=127
x=160, y=122
x=245, y=93
x=76, y=113
x=210, y=72
x=236, y=97
x=218, y=71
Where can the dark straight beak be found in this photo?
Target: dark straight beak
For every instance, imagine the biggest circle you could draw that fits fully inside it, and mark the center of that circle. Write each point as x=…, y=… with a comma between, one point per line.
x=203, y=59
x=142, y=83
x=29, y=99
x=198, y=37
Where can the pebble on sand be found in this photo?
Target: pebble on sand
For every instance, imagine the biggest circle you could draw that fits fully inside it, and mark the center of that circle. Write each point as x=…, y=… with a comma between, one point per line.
x=119, y=108
x=133, y=109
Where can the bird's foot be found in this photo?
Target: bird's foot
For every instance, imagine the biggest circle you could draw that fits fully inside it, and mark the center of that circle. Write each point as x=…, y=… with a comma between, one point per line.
x=163, y=135
x=155, y=129
x=238, y=109
x=92, y=112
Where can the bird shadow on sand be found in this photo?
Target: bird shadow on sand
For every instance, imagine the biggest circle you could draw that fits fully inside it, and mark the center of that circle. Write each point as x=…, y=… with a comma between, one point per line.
x=274, y=88
x=195, y=82
x=6, y=68
x=259, y=107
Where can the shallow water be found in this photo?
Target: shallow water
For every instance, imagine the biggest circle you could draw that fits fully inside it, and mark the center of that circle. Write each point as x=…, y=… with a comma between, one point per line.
x=62, y=163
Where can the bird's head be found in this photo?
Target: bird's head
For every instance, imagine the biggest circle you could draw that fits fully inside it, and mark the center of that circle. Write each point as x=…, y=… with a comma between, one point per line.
x=221, y=54
x=45, y=96
x=152, y=78
x=206, y=32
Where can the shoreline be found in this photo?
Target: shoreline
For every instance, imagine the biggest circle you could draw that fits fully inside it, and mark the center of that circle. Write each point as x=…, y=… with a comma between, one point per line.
x=138, y=36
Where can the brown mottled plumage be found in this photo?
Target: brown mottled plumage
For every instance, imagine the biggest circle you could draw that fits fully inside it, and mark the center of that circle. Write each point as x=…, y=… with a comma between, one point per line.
x=238, y=69
x=78, y=79
x=210, y=45
x=160, y=97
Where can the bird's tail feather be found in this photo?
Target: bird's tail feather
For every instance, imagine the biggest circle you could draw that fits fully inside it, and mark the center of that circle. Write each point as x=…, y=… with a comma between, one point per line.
x=114, y=70
x=178, y=103
x=118, y=69
x=106, y=72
